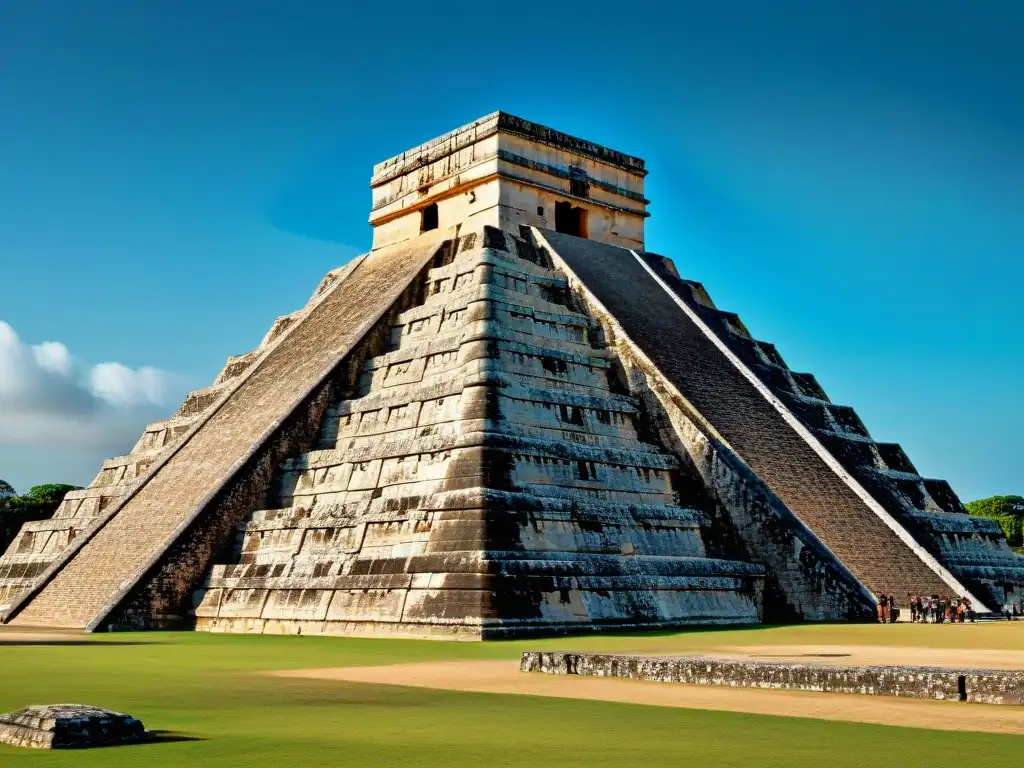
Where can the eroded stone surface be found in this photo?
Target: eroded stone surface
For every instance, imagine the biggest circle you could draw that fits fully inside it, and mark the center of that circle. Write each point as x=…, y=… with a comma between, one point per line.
x=938, y=550
x=487, y=474
x=53, y=726
x=989, y=686
x=487, y=438
x=239, y=434
x=41, y=543
x=503, y=171
x=974, y=550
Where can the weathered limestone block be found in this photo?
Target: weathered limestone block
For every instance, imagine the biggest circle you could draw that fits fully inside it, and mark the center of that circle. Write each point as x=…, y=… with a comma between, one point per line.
x=994, y=686
x=856, y=498
x=56, y=726
x=990, y=686
x=83, y=507
x=973, y=549
x=482, y=479
x=140, y=565
x=503, y=171
x=475, y=433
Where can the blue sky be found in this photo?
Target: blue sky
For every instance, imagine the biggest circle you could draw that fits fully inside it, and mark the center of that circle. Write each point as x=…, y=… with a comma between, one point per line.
x=848, y=176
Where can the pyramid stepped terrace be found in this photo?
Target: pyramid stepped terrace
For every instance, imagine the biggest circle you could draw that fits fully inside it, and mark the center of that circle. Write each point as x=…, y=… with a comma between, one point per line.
x=508, y=418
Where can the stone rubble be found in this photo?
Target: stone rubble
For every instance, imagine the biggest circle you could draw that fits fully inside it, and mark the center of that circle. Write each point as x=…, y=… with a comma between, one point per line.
x=988, y=686
x=56, y=726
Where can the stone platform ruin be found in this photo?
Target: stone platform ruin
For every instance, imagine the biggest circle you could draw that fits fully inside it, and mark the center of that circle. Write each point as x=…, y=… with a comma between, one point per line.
x=72, y=726
x=508, y=418
x=980, y=686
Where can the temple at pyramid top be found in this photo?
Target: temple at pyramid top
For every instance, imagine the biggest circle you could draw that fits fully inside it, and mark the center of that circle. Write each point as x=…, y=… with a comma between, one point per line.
x=506, y=172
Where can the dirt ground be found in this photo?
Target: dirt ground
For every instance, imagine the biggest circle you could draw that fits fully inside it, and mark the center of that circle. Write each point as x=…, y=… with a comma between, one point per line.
x=19, y=635
x=504, y=677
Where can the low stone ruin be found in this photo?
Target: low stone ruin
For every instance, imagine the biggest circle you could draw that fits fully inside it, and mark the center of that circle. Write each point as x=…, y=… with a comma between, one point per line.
x=984, y=686
x=53, y=726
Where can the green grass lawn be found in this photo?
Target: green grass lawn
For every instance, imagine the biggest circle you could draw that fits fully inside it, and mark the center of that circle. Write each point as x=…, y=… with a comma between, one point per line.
x=204, y=689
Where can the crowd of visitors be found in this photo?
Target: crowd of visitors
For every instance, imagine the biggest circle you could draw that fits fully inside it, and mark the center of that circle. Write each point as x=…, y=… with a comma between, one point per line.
x=927, y=610
x=939, y=610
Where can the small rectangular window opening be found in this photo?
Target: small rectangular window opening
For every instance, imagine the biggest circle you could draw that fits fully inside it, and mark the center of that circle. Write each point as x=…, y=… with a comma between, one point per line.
x=579, y=188
x=579, y=183
x=428, y=220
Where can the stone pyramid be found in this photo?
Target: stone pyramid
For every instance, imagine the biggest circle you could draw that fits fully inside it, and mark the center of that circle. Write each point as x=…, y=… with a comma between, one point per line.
x=507, y=418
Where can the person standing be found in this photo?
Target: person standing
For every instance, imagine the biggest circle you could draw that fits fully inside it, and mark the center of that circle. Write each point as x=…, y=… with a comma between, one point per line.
x=913, y=607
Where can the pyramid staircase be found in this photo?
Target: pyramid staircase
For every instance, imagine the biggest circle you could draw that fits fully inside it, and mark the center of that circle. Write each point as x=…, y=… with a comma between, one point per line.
x=42, y=542
x=895, y=531
x=973, y=550
x=161, y=532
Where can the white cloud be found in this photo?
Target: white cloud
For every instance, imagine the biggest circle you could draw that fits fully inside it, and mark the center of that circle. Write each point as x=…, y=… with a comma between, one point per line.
x=121, y=386
x=54, y=357
x=49, y=400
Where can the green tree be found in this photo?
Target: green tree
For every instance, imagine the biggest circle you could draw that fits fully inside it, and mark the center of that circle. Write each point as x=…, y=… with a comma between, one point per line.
x=38, y=504
x=50, y=493
x=1008, y=510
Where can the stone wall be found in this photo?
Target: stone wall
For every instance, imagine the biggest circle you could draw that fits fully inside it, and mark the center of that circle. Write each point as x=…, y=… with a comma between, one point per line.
x=502, y=171
x=989, y=686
